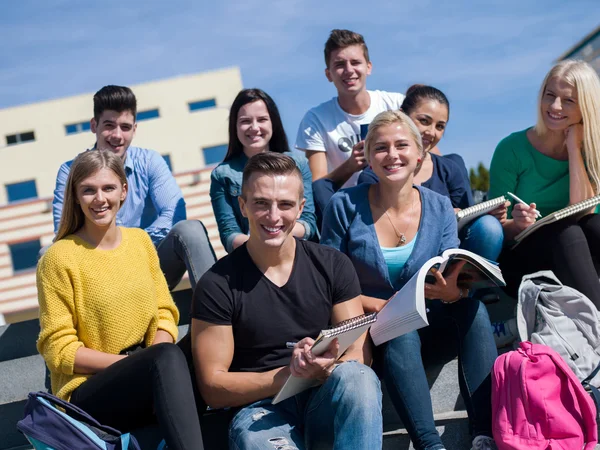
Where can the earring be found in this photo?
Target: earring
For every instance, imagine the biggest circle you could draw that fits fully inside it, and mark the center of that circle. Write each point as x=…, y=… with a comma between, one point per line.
x=418, y=160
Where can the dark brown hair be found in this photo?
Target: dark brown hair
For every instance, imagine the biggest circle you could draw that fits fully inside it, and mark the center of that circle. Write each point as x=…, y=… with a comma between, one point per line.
x=271, y=164
x=342, y=39
x=114, y=98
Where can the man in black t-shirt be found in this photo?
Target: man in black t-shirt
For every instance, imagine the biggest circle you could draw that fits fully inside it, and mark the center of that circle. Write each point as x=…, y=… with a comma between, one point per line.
x=273, y=290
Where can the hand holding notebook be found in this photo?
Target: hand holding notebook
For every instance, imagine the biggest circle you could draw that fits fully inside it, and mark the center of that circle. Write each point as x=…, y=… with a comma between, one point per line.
x=345, y=333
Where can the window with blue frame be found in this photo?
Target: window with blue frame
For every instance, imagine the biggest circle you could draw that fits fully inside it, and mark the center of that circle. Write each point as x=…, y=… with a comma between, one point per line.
x=80, y=127
x=215, y=154
x=20, y=138
x=24, y=255
x=24, y=190
x=202, y=104
x=167, y=159
x=147, y=115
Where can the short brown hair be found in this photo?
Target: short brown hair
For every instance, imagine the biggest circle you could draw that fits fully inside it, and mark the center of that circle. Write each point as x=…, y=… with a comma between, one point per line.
x=342, y=39
x=271, y=164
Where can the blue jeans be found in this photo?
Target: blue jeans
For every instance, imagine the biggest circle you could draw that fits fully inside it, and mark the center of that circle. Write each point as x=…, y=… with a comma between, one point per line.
x=323, y=189
x=464, y=323
x=186, y=247
x=483, y=236
x=343, y=413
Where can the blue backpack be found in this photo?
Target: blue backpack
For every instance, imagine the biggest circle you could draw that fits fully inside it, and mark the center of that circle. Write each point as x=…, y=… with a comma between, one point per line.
x=49, y=428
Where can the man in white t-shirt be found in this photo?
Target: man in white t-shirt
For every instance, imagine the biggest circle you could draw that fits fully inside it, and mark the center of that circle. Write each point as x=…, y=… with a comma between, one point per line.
x=330, y=133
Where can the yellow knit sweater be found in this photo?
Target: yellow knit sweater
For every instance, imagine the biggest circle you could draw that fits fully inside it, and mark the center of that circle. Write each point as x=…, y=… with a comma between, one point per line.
x=106, y=300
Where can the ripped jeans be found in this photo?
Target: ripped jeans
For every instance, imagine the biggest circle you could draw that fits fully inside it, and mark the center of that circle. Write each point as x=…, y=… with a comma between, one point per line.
x=343, y=413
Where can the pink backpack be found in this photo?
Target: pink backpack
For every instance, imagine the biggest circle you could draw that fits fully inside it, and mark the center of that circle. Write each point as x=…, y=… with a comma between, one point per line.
x=538, y=403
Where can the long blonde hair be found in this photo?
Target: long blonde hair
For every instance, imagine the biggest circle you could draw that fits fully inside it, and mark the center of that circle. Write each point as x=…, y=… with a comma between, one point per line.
x=388, y=118
x=85, y=165
x=582, y=76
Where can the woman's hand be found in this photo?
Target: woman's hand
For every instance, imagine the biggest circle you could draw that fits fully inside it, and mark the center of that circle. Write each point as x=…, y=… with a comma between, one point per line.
x=501, y=212
x=306, y=365
x=446, y=289
x=574, y=138
x=524, y=215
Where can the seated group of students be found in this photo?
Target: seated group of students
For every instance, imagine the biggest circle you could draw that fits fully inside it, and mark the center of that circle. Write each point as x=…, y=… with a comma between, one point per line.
x=109, y=324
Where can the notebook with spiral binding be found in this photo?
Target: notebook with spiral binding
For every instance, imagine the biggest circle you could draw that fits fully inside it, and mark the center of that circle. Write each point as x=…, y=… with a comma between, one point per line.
x=467, y=215
x=346, y=332
x=558, y=215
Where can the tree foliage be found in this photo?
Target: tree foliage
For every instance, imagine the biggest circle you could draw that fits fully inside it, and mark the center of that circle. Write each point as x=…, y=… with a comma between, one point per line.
x=480, y=178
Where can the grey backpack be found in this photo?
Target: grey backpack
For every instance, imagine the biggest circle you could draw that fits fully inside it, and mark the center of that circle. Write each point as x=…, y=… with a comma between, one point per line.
x=562, y=318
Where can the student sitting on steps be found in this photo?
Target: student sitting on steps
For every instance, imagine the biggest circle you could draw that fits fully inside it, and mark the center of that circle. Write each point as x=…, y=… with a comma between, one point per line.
x=330, y=132
x=389, y=230
x=155, y=201
x=254, y=127
x=272, y=290
x=107, y=320
x=552, y=165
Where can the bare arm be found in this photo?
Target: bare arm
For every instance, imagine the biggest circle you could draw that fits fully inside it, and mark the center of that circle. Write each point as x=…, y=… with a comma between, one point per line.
x=317, y=162
x=372, y=304
x=239, y=240
x=88, y=361
x=361, y=349
x=212, y=350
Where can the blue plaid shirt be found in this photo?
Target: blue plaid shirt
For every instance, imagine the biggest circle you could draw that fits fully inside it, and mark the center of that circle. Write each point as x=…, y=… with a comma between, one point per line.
x=154, y=201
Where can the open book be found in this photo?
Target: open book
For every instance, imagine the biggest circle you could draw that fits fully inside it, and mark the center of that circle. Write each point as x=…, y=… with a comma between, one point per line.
x=467, y=215
x=558, y=215
x=406, y=311
x=346, y=332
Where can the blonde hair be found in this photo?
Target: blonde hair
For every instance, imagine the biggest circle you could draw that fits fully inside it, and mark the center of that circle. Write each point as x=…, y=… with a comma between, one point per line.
x=583, y=77
x=388, y=118
x=85, y=165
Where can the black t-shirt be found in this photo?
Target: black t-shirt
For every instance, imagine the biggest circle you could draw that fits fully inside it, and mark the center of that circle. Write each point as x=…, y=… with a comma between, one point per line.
x=264, y=316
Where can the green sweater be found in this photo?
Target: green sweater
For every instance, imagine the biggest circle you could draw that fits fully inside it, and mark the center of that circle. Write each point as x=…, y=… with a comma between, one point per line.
x=519, y=168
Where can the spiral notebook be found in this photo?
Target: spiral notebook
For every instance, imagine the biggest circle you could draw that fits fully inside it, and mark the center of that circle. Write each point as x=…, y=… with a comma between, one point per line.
x=558, y=215
x=346, y=332
x=465, y=216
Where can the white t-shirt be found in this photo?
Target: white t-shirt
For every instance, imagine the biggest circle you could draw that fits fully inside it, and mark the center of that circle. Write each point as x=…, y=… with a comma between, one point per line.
x=328, y=128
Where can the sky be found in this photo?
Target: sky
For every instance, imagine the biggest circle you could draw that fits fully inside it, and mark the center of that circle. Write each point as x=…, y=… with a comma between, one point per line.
x=488, y=57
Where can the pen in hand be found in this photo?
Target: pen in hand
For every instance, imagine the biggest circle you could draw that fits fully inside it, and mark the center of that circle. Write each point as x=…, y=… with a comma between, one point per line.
x=537, y=213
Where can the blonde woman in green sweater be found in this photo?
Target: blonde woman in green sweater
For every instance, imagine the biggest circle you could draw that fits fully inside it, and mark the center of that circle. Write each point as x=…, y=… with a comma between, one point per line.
x=102, y=295
x=552, y=165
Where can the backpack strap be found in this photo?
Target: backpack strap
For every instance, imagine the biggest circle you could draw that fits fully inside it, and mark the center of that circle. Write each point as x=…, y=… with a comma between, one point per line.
x=590, y=377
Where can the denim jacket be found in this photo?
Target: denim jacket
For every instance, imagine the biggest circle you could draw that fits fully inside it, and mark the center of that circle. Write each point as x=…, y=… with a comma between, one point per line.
x=348, y=226
x=226, y=186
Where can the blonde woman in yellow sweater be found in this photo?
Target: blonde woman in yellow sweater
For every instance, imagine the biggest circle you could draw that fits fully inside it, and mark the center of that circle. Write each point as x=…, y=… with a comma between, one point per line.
x=102, y=294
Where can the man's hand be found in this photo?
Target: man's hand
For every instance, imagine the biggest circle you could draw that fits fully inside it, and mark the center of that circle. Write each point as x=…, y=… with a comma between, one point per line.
x=446, y=288
x=357, y=159
x=306, y=365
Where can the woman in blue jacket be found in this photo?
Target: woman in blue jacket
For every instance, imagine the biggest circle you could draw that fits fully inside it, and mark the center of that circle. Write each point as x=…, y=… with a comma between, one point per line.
x=254, y=127
x=429, y=109
x=389, y=230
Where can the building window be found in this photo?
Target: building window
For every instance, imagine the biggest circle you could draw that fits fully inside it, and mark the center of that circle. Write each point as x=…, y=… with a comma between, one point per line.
x=19, y=138
x=202, y=104
x=24, y=255
x=21, y=191
x=75, y=128
x=147, y=115
x=167, y=159
x=214, y=155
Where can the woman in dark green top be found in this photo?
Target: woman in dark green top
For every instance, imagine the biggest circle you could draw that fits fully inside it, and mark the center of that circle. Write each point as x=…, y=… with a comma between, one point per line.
x=552, y=165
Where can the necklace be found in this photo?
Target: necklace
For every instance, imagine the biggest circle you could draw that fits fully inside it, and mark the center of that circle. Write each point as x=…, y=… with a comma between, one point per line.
x=401, y=236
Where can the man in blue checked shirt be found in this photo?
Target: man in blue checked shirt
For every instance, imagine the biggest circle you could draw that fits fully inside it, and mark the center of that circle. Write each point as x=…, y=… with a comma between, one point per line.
x=154, y=201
